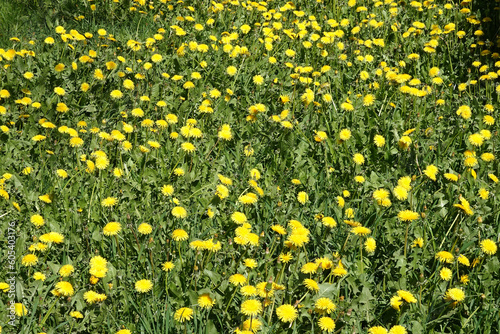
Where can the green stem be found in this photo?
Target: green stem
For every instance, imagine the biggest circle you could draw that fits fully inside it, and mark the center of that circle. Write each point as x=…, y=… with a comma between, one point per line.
x=118, y=245
x=361, y=253
x=406, y=238
x=48, y=312
x=179, y=250
x=230, y=300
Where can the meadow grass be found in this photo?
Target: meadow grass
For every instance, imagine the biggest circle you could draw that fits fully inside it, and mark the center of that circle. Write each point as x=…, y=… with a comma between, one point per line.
x=267, y=167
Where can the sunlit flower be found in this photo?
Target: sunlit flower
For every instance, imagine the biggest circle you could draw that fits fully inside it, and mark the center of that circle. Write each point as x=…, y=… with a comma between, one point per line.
x=183, y=314
x=286, y=313
x=143, y=285
x=488, y=247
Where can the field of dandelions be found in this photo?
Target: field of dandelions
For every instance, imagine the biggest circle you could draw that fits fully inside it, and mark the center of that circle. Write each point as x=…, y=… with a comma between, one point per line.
x=323, y=166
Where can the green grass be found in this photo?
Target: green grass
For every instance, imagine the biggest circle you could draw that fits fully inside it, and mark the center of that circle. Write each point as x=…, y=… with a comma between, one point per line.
x=287, y=154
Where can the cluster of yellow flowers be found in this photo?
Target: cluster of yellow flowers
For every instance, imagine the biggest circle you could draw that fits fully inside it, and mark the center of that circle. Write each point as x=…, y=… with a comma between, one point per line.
x=260, y=158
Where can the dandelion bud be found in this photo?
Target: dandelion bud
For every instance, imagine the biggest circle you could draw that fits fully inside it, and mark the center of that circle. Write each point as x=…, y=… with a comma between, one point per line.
x=479, y=219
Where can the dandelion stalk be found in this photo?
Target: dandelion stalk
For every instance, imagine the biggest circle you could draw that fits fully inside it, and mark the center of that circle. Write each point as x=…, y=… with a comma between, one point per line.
x=298, y=260
x=361, y=253
x=406, y=238
x=118, y=245
x=180, y=254
x=231, y=299
x=49, y=312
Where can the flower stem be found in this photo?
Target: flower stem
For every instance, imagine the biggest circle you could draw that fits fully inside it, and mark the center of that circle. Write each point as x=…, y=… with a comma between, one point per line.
x=230, y=300
x=406, y=238
x=48, y=312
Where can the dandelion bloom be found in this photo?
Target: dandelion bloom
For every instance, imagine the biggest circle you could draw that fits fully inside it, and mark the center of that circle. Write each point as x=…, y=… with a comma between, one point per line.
x=326, y=324
x=188, y=147
x=156, y=58
x=76, y=142
x=324, y=305
x=145, y=228
x=370, y=245
x=345, y=134
x=377, y=330
x=225, y=132
x=464, y=111
x=143, y=285
x=205, y=301
x=302, y=197
x=258, y=80
x=407, y=296
x=396, y=302
x=112, y=228
x=239, y=218
x=445, y=257
x=454, y=294
x=451, y=177
x=249, y=198
x=123, y=331
x=231, y=70
x=109, y=202
x=59, y=91
x=476, y=139
x=179, y=235
x=329, y=222
x=379, y=140
x=431, y=171
x=488, y=247
x=311, y=284
x=380, y=194
x=462, y=259
x=29, y=260
x=358, y=159
x=37, y=220
x=398, y=329
x=464, y=205
x=400, y=193
x=66, y=270
x=38, y=138
x=286, y=313
x=38, y=276
x=320, y=136
x=408, y=215
x=183, y=314
x=361, y=230
x=167, y=266
x=98, y=266
x=179, y=212
x=251, y=307
x=20, y=309
x=250, y=263
x=340, y=270
x=62, y=173
x=237, y=279
x=92, y=297
x=65, y=289
x=446, y=274
x=76, y=315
